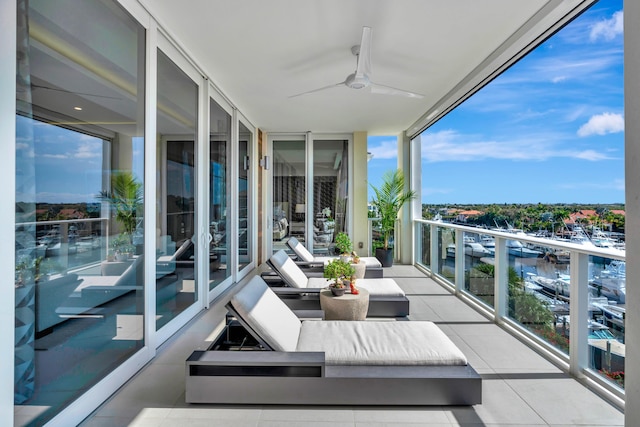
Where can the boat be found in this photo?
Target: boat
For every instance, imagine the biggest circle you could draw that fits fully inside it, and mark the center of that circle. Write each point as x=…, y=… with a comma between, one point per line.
x=472, y=249
x=611, y=282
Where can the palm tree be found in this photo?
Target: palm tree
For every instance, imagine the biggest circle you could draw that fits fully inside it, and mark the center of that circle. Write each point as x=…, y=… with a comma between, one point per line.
x=126, y=196
x=388, y=200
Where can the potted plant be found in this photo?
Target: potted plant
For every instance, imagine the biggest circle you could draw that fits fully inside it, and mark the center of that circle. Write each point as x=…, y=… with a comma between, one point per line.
x=125, y=196
x=344, y=245
x=388, y=200
x=338, y=270
x=122, y=247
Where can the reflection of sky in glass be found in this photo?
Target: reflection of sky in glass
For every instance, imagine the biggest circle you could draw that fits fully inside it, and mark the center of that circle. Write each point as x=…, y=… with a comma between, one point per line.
x=68, y=164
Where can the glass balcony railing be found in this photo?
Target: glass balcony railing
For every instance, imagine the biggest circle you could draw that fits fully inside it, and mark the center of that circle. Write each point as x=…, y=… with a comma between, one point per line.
x=565, y=297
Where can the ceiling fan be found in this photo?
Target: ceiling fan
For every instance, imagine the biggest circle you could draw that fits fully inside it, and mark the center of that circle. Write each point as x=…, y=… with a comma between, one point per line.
x=361, y=78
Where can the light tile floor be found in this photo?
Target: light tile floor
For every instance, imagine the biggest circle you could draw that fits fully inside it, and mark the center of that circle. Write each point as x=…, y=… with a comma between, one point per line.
x=520, y=388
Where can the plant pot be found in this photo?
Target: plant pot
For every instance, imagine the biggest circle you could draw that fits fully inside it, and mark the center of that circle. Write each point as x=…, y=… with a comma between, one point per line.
x=337, y=291
x=360, y=268
x=385, y=256
x=345, y=258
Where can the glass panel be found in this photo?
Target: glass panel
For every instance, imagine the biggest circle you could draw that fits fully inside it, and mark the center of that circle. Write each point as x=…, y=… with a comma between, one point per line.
x=289, y=192
x=177, y=112
x=478, y=268
x=244, y=252
x=79, y=200
x=330, y=193
x=446, y=261
x=220, y=135
x=539, y=291
x=607, y=291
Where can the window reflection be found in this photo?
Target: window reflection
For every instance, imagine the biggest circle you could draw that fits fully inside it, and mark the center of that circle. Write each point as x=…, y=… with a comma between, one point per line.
x=220, y=128
x=177, y=110
x=244, y=254
x=79, y=186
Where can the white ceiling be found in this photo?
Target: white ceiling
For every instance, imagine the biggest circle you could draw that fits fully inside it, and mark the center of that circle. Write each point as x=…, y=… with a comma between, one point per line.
x=261, y=52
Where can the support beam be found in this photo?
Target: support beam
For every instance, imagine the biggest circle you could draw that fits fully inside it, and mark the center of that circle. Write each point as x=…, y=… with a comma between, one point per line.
x=632, y=198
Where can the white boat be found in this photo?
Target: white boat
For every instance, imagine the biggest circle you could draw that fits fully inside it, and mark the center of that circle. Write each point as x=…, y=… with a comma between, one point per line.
x=611, y=282
x=472, y=249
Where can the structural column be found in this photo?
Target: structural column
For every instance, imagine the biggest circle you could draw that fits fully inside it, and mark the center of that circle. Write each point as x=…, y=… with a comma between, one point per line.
x=632, y=207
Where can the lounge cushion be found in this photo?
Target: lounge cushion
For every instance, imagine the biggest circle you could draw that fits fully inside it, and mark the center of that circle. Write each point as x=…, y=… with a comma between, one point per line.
x=306, y=256
x=377, y=287
x=380, y=343
x=300, y=250
x=289, y=270
x=267, y=315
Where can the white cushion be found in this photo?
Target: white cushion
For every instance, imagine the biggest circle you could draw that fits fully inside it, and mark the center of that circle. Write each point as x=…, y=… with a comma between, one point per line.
x=379, y=343
x=300, y=250
x=263, y=311
x=378, y=287
x=288, y=269
x=369, y=261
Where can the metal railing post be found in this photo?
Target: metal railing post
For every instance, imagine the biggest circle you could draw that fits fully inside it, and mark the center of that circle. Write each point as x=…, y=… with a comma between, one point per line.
x=579, y=314
x=459, y=260
x=434, y=249
x=501, y=280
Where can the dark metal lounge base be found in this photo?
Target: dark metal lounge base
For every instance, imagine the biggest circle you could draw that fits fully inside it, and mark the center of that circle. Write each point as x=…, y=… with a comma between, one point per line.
x=309, y=299
x=295, y=378
x=236, y=370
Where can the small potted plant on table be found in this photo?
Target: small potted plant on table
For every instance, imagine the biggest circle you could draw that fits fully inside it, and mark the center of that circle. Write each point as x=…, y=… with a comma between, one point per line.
x=344, y=246
x=338, y=270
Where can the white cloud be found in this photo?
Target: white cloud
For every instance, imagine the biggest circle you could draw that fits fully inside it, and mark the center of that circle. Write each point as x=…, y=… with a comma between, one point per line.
x=88, y=150
x=607, y=29
x=387, y=149
x=450, y=146
x=602, y=124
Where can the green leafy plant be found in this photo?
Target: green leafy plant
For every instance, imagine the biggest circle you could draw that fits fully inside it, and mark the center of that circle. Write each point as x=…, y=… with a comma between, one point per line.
x=337, y=270
x=388, y=201
x=125, y=196
x=343, y=243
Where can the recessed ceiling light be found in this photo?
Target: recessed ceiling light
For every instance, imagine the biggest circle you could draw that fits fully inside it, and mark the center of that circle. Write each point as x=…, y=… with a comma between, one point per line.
x=77, y=108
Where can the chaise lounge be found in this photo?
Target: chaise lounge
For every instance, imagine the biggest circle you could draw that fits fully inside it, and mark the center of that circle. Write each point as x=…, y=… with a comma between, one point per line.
x=373, y=267
x=282, y=360
x=386, y=298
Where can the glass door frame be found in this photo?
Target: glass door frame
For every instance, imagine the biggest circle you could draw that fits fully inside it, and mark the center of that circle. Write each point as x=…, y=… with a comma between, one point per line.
x=165, y=332
x=310, y=138
x=205, y=191
x=252, y=182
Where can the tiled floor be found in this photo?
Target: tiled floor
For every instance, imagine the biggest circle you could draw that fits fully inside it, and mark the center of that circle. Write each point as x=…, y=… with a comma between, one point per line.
x=520, y=388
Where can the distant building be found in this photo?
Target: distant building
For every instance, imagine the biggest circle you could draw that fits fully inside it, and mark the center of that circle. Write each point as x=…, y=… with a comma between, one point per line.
x=463, y=216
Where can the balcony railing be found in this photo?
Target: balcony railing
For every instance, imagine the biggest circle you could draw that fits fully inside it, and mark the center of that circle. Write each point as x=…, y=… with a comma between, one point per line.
x=564, y=298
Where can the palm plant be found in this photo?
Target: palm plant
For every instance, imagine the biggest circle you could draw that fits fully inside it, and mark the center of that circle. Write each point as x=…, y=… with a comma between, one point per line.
x=126, y=196
x=388, y=200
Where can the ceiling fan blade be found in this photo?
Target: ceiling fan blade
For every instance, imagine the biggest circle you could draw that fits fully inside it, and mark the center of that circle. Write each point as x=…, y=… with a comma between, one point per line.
x=317, y=90
x=388, y=90
x=364, y=56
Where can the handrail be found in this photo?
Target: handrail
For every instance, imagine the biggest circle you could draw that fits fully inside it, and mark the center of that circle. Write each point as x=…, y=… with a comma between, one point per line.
x=556, y=244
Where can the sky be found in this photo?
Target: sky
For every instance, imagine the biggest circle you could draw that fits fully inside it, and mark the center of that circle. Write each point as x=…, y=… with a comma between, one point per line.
x=548, y=130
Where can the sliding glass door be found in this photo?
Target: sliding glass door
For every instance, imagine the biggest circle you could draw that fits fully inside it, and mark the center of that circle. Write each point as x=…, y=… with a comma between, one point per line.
x=289, y=218
x=219, y=196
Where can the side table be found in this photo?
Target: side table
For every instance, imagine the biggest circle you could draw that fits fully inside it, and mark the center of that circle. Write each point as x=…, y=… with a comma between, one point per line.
x=345, y=307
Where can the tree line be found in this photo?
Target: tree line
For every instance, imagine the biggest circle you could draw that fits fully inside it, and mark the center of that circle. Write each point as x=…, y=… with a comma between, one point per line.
x=531, y=217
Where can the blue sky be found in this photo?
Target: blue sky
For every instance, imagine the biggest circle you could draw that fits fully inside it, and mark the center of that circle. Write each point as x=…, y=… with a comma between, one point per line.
x=550, y=129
